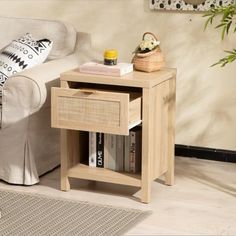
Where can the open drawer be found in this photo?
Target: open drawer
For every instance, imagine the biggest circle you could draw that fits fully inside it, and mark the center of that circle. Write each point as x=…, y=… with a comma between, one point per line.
x=95, y=110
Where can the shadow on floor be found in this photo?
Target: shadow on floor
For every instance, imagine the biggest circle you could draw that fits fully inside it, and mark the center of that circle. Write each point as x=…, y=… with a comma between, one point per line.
x=196, y=173
x=194, y=169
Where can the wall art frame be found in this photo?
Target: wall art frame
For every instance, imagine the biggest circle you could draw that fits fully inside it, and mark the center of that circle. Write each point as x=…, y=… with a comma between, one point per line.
x=188, y=5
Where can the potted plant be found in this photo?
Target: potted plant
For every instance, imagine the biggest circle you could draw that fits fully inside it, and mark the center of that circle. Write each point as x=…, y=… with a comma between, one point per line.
x=148, y=56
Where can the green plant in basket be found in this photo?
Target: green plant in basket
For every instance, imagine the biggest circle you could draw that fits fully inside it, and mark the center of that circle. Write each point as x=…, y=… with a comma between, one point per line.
x=148, y=43
x=148, y=56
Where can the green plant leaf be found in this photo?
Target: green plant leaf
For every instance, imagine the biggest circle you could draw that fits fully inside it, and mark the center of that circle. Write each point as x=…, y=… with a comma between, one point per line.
x=227, y=59
x=227, y=20
x=228, y=27
x=223, y=33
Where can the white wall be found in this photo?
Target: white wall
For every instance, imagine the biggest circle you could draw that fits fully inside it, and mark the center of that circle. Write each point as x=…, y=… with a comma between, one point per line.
x=206, y=97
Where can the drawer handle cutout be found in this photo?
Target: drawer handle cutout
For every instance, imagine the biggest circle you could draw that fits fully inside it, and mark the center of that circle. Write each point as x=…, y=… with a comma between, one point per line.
x=88, y=91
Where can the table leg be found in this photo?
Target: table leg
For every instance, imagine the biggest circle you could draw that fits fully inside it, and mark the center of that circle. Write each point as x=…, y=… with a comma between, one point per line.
x=147, y=145
x=169, y=176
x=65, y=184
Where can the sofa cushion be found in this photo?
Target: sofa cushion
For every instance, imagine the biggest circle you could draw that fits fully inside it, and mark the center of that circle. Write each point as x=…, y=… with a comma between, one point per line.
x=21, y=54
x=62, y=34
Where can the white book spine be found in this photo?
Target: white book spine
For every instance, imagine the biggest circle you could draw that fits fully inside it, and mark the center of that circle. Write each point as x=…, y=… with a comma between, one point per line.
x=132, y=152
x=92, y=149
x=106, y=150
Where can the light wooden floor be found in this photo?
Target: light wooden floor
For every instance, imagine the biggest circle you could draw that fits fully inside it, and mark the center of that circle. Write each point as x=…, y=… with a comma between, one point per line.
x=202, y=202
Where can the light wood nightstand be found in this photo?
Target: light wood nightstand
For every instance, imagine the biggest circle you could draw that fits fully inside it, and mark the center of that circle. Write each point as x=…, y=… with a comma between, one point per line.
x=87, y=102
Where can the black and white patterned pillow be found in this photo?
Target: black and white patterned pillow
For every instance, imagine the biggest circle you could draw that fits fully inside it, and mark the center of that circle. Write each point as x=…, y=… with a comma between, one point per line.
x=22, y=54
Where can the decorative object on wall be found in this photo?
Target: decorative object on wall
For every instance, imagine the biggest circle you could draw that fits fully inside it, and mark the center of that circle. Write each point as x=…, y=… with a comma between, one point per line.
x=148, y=56
x=188, y=5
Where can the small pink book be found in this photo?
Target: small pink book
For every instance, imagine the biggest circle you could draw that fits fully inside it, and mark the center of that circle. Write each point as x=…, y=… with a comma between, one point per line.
x=101, y=69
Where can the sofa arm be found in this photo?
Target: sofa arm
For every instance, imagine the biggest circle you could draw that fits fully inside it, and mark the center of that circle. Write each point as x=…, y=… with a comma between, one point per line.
x=26, y=92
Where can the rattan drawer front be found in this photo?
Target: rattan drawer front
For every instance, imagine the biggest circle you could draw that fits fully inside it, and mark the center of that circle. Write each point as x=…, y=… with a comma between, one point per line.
x=98, y=111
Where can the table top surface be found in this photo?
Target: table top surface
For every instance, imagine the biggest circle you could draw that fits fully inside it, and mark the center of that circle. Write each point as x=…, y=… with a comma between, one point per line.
x=133, y=79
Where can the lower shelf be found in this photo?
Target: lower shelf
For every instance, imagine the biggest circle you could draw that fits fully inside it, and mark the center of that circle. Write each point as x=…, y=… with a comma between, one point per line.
x=82, y=171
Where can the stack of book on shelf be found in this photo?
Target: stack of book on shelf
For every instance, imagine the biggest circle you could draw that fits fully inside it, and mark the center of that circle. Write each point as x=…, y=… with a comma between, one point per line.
x=116, y=152
x=101, y=69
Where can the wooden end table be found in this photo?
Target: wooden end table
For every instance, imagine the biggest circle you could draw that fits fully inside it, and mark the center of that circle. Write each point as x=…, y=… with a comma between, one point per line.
x=99, y=103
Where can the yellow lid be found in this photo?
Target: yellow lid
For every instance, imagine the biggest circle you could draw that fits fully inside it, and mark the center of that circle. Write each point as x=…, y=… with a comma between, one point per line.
x=110, y=54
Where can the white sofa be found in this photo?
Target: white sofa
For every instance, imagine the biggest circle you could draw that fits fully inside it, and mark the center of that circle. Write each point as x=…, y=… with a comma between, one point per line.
x=29, y=147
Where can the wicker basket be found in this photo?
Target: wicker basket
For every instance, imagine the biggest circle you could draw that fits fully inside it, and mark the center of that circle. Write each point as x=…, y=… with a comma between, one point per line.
x=150, y=61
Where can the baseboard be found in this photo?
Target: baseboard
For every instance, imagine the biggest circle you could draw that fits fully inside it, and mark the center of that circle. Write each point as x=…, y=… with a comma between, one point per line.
x=205, y=153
